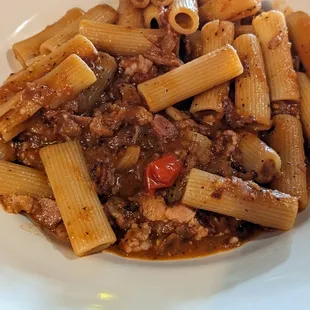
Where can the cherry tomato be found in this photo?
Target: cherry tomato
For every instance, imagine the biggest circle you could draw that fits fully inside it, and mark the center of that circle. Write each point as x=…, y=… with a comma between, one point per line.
x=163, y=172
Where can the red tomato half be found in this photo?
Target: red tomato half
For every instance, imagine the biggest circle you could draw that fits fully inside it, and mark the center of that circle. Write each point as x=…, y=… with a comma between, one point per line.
x=163, y=172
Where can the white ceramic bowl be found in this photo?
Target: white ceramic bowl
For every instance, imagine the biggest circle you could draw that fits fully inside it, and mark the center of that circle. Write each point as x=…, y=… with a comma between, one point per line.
x=270, y=273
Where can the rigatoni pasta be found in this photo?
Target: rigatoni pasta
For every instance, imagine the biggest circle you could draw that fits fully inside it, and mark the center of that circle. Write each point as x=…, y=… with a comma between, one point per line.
x=155, y=140
x=183, y=16
x=251, y=89
x=27, y=50
x=298, y=25
x=214, y=35
x=79, y=205
x=259, y=158
x=243, y=200
x=129, y=15
x=151, y=17
x=119, y=40
x=272, y=33
x=304, y=86
x=64, y=82
x=101, y=13
x=21, y=180
x=287, y=140
x=228, y=9
x=79, y=45
x=169, y=89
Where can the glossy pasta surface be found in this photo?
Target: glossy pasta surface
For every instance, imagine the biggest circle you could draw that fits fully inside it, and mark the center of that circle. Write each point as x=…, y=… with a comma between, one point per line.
x=161, y=129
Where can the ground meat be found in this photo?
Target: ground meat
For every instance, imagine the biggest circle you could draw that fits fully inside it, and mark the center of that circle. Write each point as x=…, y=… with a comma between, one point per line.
x=199, y=232
x=137, y=69
x=226, y=143
x=46, y=213
x=232, y=117
x=139, y=115
x=18, y=203
x=286, y=107
x=27, y=155
x=153, y=208
x=41, y=94
x=224, y=153
x=135, y=64
x=163, y=128
x=108, y=122
x=136, y=239
x=180, y=213
x=67, y=124
x=190, y=124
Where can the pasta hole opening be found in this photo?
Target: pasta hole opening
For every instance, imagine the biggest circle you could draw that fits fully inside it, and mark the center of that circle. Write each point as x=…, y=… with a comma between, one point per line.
x=154, y=24
x=184, y=20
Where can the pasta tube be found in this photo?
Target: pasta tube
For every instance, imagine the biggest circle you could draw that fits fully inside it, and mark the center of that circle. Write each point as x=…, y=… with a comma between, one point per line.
x=271, y=31
x=100, y=13
x=244, y=200
x=63, y=83
x=151, y=17
x=119, y=40
x=183, y=16
x=228, y=9
x=304, y=86
x=79, y=45
x=287, y=140
x=129, y=15
x=258, y=157
x=298, y=24
x=201, y=74
x=87, y=225
x=251, y=88
x=29, y=49
x=214, y=35
x=22, y=180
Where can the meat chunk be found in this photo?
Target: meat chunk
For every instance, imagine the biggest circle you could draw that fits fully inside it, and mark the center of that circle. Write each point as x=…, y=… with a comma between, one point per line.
x=46, y=213
x=232, y=117
x=139, y=115
x=226, y=143
x=153, y=208
x=137, y=69
x=135, y=64
x=197, y=229
x=163, y=128
x=136, y=239
x=66, y=124
x=108, y=122
x=18, y=203
x=180, y=213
